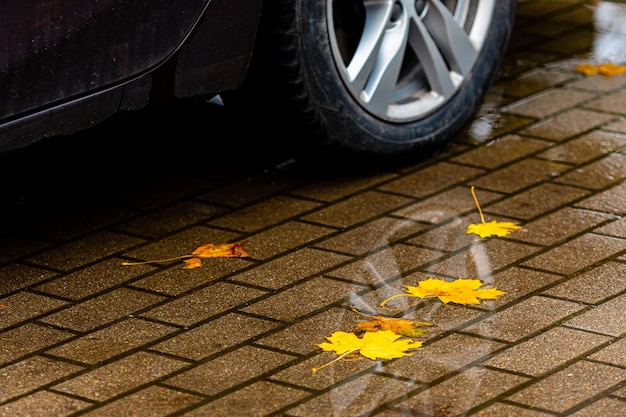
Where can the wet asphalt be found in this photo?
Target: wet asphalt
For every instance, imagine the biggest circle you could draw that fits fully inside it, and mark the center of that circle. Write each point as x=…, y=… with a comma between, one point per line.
x=82, y=335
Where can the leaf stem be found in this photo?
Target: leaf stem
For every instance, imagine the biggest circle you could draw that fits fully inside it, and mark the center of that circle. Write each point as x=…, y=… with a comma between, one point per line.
x=482, y=218
x=343, y=355
x=157, y=260
x=392, y=297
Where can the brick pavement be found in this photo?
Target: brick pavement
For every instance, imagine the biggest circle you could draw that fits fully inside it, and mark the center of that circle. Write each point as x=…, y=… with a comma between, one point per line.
x=80, y=335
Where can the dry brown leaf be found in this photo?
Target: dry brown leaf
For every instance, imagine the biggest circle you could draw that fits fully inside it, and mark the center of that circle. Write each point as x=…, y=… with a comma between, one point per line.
x=208, y=250
x=404, y=327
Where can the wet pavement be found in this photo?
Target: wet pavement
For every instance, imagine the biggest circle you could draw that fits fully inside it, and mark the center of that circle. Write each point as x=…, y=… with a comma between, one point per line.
x=82, y=335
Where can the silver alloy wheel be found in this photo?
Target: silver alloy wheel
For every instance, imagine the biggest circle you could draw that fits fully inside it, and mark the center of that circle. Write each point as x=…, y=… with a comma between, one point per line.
x=404, y=59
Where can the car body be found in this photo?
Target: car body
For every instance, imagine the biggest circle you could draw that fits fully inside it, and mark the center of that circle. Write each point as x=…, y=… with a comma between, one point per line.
x=372, y=77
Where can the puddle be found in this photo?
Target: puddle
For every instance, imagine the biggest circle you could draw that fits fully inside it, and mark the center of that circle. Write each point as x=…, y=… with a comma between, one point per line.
x=609, y=21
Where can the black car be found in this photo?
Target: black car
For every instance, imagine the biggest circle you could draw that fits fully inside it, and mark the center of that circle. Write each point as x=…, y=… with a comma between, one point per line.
x=373, y=77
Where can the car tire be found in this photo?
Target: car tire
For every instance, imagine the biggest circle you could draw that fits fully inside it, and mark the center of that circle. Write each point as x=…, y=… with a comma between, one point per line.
x=390, y=78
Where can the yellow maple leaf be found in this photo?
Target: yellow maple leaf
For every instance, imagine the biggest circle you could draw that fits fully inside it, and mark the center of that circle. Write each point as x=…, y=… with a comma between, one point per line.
x=404, y=327
x=208, y=250
x=459, y=291
x=607, y=69
x=493, y=228
x=384, y=344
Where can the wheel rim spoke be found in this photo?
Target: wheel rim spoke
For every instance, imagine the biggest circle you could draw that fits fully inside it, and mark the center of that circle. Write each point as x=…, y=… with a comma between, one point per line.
x=410, y=56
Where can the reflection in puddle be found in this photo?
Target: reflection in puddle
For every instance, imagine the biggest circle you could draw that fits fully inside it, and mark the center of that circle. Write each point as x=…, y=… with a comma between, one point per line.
x=440, y=357
x=609, y=20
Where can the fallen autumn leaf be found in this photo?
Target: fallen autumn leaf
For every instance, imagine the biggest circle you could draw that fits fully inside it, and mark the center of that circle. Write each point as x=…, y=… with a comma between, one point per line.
x=209, y=250
x=373, y=345
x=459, y=291
x=493, y=228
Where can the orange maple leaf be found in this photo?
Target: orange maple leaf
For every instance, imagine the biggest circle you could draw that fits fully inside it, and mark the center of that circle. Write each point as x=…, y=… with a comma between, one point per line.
x=404, y=327
x=208, y=250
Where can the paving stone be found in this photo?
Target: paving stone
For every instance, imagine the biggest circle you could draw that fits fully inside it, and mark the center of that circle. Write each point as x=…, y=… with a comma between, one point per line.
x=370, y=236
x=537, y=79
x=93, y=279
x=619, y=125
x=568, y=124
x=612, y=200
x=444, y=356
x=599, y=174
x=616, y=228
x=43, y=404
x=431, y=179
x=28, y=338
x=449, y=238
x=293, y=267
x=284, y=237
x=169, y=219
x=89, y=249
x=229, y=370
x=567, y=259
x=354, y=397
x=536, y=201
x=98, y=346
x=613, y=103
x=570, y=386
x=546, y=351
x=461, y=392
x=599, y=83
x=519, y=175
x=501, y=409
x=614, y=353
x=110, y=380
x=104, y=309
x=594, y=285
x=523, y=319
x=448, y=204
x=30, y=374
x=606, y=407
x=202, y=304
x=560, y=225
x=547, y=103
x=388, y=264
x=213, y=337
x=493, y=125
x=584, y=148
x=307, y=297
x=23, y=306
x=174, y=281
x=481, y=259
x=302, y=337
x=249, y=189
x=505, y=150
x=258, y=399
x=149, y=402
x=357, y=209
x=518, y=282
x=329, y=373
x=607, y=318
x=263, y=214
x=335, y=187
